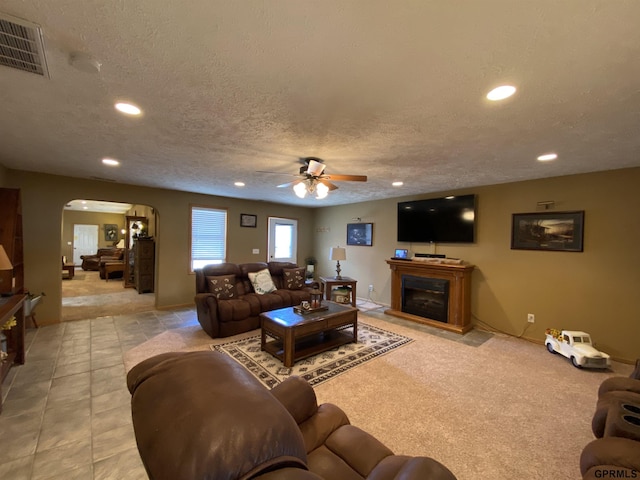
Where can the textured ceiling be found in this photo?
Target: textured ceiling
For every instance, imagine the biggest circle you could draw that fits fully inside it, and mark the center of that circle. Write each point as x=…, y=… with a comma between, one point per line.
x=392, y=90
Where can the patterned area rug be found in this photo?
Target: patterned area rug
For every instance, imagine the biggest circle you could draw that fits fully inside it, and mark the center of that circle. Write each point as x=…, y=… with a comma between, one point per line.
x=372, y=341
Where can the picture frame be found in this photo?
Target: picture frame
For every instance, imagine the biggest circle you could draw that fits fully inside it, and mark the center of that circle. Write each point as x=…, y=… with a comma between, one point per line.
x=248, y=220
x=360, y=234
x=551, y=231
x=111, y=232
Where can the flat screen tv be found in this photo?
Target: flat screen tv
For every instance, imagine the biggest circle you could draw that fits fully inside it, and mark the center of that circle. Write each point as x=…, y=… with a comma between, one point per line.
x=441, y=220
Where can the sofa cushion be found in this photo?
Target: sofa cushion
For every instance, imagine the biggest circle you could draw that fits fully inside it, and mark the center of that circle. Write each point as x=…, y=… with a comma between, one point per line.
x=233, y=310
x=262, y=282
x=294, y=278
x=268, y=301
x=222, y=286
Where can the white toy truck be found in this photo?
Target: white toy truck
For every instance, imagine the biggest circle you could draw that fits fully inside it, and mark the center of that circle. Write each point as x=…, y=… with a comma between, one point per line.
x=576, y=346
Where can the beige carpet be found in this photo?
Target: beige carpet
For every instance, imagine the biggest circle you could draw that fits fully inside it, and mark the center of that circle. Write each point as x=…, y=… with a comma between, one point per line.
x=506, y=409
x=86, y=295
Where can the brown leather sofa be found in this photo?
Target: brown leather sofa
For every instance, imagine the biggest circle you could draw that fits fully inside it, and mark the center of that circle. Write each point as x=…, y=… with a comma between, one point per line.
x=92, y=262
x=238, y=311
x=616, y=424
x=199, y=415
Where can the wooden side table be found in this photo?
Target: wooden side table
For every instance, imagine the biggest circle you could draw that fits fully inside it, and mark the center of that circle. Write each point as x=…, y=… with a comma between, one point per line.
x=327, y=284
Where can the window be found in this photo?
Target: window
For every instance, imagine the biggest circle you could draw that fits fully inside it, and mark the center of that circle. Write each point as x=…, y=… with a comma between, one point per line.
x=208, y=236
x=283, y=239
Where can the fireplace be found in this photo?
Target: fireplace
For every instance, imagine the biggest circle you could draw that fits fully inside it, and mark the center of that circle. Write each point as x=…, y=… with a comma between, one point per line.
x=436, y=294
x=426, y=297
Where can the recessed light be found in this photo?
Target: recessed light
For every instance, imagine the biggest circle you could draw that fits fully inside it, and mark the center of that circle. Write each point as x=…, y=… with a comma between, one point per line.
x=547, y=157
x=397, y=184
x=501, y=92
x=110, y=161
x=450, y=197
x=128, y=108
x=239, y=184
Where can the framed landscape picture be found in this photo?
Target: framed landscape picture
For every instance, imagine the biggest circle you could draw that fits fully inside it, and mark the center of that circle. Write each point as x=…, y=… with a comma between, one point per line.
x=360, y=234
x=556, y=231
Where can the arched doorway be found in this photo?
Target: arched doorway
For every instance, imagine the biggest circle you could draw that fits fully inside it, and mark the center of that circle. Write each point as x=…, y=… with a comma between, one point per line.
x=98, y=287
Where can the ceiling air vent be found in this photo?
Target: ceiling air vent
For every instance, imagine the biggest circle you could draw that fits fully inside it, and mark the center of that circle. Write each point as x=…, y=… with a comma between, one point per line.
x=21, y=45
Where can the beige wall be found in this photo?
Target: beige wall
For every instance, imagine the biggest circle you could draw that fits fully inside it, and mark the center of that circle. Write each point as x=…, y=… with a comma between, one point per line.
x=596, y=291
x=43, y=199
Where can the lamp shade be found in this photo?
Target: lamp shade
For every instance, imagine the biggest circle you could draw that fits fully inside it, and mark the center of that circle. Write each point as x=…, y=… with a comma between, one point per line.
x=338, y=253
x=5, y=263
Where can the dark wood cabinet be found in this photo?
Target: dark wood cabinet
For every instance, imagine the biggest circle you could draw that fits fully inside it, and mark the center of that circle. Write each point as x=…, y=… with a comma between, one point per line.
x=143, y=264
x=11, y=240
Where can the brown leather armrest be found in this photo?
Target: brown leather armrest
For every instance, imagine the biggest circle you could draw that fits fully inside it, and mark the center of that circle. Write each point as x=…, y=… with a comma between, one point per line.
x=288, y=474
x=298, y=398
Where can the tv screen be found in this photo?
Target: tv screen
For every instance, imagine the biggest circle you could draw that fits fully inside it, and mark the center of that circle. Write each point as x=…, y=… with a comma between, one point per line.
x=442, y=220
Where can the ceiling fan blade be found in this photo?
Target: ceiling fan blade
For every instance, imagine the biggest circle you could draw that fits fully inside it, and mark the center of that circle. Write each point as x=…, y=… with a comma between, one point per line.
x=331, y=186
x=347, y=178
x=278, y=173
x=289, y=184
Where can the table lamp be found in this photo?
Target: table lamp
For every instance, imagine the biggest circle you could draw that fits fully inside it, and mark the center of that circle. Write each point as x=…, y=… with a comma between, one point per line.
x=338, y=254
x=6, y=276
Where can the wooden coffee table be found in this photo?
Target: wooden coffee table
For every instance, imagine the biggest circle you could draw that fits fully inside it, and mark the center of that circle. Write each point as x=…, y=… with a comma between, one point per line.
x=295, y=336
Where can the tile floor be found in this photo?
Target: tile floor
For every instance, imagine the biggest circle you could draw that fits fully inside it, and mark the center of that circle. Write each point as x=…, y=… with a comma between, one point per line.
x=66, y=413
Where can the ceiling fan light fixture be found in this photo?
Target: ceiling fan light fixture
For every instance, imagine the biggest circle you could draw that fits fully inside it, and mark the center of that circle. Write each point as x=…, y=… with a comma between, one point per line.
x=321, y=191
x=300, y=189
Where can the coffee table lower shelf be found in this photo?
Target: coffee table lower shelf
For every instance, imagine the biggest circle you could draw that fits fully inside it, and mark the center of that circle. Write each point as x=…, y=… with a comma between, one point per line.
x=308, y=346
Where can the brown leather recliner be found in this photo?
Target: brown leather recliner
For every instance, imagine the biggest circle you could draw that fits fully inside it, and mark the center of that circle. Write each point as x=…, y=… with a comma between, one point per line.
x=92, y=262
x=200, y=415
x=615, y=453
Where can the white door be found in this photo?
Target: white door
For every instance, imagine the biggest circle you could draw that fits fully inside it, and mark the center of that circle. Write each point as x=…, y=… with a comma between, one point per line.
x=283, y=240
x=85, y=241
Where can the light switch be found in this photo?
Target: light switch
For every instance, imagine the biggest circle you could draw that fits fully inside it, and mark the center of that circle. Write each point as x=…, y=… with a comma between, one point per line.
x=256, y=251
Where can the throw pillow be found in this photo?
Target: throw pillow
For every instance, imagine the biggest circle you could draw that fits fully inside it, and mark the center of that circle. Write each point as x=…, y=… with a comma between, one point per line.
x=223, y=286
x=262, y=282
x=294, y=278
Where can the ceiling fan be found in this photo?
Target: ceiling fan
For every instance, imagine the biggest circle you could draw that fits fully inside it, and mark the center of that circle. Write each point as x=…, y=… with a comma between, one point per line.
x=312, y=179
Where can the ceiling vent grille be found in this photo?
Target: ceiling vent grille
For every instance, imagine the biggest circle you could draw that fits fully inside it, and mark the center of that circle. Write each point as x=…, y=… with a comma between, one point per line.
x=21, y=45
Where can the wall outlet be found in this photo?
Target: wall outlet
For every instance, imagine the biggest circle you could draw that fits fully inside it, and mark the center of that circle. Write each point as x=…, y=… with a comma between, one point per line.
x=256, y=251
x=531, y=318
x=371, y=288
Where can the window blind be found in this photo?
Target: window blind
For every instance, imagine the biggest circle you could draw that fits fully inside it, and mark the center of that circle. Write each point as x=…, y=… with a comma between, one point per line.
x=208, y=236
